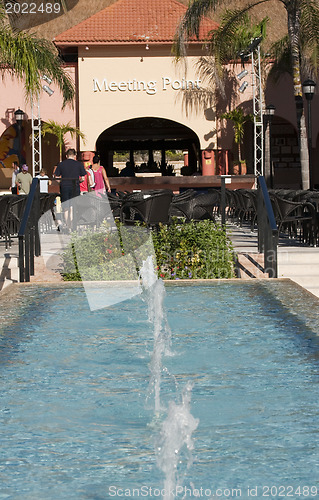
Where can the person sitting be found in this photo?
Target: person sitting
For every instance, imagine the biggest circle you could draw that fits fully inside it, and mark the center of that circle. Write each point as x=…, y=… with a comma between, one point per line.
x=128, y=170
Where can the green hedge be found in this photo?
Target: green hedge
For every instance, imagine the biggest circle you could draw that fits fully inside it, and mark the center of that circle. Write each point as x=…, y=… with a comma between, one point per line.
x=183, y=251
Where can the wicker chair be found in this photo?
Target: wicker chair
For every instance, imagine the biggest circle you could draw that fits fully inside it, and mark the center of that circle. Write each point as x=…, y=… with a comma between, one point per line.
x=150, y=207
x=297, y=219
x=197, y=207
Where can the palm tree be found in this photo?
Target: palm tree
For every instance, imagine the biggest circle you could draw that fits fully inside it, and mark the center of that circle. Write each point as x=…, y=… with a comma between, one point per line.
x=28, y=58
x=59, y=130
x=302, y=44
x=239, y=119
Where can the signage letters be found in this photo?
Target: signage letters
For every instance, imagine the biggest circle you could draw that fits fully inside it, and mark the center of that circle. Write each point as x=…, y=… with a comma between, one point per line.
x=150, y=87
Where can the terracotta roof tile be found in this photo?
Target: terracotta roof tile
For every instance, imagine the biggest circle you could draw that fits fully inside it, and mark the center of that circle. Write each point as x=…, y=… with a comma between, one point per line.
x=129, y=21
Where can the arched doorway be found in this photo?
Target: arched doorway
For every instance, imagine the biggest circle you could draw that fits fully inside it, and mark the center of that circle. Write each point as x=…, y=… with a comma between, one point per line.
x=285, y=154
x=148, y=134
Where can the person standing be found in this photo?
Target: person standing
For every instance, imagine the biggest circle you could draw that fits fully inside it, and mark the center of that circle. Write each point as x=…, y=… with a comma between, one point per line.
x=24, y=180
x=71, y=172
x=44, y=181
x=100, y=177
x=15, y=171
x=88, y=183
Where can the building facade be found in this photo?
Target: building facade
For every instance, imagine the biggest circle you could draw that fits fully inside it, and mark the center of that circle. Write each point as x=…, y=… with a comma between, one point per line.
x=133, y=95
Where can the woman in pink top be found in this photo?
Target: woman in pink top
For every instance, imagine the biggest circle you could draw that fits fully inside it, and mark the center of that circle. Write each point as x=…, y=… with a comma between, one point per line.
x=100, y=177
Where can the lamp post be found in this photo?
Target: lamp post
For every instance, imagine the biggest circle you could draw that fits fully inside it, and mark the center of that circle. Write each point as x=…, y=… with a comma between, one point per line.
x=308, y=88
x=269, y=113
x=19, y=116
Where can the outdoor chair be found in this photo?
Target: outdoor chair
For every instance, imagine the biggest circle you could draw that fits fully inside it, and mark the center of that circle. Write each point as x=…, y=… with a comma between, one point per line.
x=247, y=206
x=5, y=203
x=180, y=198
x=90, y=210
x=16, y=212
x=297, y=219
x=150, y=207
x=199, y=207
x=116, y=200
x=47, y=211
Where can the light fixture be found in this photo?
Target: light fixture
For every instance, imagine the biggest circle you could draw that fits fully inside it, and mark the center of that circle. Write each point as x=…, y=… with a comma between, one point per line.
x=243, y=73
x=48, y=90
x=270, y=110
x=308, y=88
x=47, y=79
x=19, y=115
x=244, y=54
x=243, y=87
x=147, y=47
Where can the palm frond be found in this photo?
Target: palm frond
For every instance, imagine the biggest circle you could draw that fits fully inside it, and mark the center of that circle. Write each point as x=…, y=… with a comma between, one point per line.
x=190, y=23
x=309, y=34
x=29, y=57
x=280, y=52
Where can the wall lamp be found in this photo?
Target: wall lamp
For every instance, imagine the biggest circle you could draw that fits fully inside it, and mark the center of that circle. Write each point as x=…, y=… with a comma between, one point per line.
x=243, y=73
x=48, y=90
x=243, y=87
x=47, y=79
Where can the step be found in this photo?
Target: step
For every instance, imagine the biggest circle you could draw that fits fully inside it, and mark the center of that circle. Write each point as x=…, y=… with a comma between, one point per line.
x=298, y=269
x=306, y=256
x=9, y=270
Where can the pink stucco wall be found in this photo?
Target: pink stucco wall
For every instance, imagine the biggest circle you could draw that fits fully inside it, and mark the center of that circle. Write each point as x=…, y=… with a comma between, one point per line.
x=12, y=97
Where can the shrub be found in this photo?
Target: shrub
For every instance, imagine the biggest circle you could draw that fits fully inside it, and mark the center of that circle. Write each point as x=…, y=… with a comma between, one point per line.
x=182, y=250
x=193, y=250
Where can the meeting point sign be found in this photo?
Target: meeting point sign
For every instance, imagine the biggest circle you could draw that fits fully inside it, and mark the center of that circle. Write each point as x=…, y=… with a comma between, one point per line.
x=150, y=87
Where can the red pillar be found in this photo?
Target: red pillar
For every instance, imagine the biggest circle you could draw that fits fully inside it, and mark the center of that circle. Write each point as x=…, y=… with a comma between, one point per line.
x=208, y=162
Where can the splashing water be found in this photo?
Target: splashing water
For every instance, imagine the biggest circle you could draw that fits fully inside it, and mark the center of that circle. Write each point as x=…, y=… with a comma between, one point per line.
x=162, y=333
x=175, y=439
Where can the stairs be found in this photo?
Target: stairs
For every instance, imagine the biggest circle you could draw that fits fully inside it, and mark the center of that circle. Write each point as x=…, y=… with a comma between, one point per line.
x=296, y=262
x=300, y=264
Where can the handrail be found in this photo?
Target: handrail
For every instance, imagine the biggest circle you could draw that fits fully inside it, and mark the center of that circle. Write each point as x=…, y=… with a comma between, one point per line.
x=28, y=235
x=267, y=229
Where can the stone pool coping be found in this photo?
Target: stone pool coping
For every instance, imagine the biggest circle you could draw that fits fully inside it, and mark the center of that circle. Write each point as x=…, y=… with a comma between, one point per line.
x=299, y=301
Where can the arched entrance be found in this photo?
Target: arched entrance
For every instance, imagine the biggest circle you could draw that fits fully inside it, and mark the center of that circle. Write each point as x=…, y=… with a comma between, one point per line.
x=148, y=134
x=285, y=154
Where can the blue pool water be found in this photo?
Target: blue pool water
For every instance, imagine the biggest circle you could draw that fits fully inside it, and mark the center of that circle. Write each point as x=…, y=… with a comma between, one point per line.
x=77, y=418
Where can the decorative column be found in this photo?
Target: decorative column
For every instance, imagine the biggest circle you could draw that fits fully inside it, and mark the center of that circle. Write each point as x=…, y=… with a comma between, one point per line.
x=208, y=162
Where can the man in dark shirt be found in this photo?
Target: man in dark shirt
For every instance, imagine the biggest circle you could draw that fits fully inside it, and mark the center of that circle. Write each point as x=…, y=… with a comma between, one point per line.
x=71, y=172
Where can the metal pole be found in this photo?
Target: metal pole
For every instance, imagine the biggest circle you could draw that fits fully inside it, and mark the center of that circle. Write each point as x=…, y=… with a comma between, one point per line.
x=223, y=200
x=310, y=140
x=21, y=259
x=270, y=155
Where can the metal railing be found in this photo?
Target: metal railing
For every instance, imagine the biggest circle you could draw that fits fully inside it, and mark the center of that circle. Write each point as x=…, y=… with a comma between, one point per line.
x=29, y=238
x=267, y=229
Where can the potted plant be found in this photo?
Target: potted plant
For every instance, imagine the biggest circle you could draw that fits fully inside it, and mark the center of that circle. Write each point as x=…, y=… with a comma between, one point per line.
x=238, y=118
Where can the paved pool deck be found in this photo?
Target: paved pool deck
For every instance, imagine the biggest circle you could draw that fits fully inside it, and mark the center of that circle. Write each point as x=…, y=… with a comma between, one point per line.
x=295, y=261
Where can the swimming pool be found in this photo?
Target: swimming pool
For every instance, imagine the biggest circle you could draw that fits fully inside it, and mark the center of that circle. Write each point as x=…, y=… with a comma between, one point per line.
x=77, y=418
